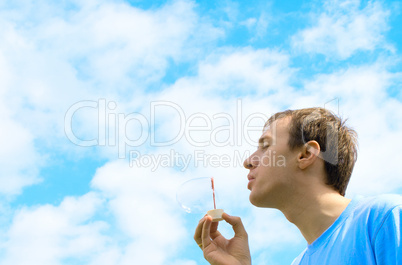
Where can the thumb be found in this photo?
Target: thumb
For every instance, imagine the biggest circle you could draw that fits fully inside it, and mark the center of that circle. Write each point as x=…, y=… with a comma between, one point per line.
x=236, y=224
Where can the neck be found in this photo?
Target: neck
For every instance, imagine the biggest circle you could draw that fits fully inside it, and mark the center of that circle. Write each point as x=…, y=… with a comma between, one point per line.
x=315, y=213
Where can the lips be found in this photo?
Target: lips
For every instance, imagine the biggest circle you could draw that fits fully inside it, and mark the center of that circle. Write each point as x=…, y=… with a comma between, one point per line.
x=250, y=180
x=250, y=177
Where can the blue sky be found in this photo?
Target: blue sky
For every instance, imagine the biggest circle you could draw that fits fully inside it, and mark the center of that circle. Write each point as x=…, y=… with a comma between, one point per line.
x=103, y=102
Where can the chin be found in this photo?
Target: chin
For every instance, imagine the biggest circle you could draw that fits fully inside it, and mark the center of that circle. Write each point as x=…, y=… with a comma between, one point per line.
x=255, y=201
x=260, y=202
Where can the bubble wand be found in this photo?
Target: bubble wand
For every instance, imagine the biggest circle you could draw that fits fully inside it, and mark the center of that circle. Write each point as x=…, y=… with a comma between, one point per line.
x=213, y=191
x=216, y=214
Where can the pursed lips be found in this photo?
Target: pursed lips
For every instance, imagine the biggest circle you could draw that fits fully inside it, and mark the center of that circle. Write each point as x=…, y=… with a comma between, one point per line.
x=250, y=178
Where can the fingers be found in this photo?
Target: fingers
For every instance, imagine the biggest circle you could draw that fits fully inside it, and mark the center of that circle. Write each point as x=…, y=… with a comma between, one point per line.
x=236, y=224
x=214, y=229
x=206, y=229
x=198, y=232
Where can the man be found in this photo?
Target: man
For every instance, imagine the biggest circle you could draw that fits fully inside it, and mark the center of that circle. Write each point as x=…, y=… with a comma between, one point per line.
x=320, y=153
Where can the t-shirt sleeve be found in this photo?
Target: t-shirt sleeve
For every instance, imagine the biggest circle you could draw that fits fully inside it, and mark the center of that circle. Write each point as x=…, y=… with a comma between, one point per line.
x=387, y=242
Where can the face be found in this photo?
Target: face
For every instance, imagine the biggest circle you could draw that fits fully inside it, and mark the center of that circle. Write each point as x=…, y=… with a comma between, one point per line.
x=272, y=167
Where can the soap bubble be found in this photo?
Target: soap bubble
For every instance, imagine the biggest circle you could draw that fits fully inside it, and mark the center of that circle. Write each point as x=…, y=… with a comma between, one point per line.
x=195, y=195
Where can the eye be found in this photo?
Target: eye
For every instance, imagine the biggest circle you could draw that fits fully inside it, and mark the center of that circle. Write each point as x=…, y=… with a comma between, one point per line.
x=263, y=145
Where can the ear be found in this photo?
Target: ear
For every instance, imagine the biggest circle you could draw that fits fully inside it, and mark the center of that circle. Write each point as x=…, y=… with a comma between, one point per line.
x=309, y=153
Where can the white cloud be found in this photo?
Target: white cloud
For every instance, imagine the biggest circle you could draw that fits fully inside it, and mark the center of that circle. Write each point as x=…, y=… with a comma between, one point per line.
x=145, y=208
x=271, y=234
x=254, y=76
x=246, y=71
x=116, y=43
x=95, y=51
x=19, y=159
x=344, y=29
x=51, y=58
x=234, y=72
x=48, y=234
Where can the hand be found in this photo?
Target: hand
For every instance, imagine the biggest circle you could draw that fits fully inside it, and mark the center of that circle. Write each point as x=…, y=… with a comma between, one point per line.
x=217, y=249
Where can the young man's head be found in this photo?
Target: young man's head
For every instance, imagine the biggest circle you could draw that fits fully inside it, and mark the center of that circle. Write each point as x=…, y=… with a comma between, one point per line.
x=286, y=136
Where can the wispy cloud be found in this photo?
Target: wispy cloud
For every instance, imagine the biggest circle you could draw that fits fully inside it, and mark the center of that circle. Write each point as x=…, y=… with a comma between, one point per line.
x=344, y=28
x=50, y=234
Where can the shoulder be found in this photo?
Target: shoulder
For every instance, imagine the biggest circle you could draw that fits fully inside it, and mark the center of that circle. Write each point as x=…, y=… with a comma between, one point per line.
x=377, y=213
x=372, y=211
x=380, y=204
x=386, y=238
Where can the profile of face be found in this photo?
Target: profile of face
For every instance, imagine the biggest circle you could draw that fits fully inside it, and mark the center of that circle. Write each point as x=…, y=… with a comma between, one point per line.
x=272, y=166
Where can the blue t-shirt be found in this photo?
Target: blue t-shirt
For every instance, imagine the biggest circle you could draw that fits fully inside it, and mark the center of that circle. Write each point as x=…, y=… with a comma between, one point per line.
x=367, y=232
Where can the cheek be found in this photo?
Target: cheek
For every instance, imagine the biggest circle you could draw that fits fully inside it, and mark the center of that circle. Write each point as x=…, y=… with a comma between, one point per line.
x=273, y=160
x=265, y=161
x=268, y=159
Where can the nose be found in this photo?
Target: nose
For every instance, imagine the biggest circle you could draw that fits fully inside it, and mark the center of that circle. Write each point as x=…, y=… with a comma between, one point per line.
x=251, y=162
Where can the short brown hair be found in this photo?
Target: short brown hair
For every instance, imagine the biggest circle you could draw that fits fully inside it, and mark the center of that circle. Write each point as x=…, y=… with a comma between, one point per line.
x=338, y=142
